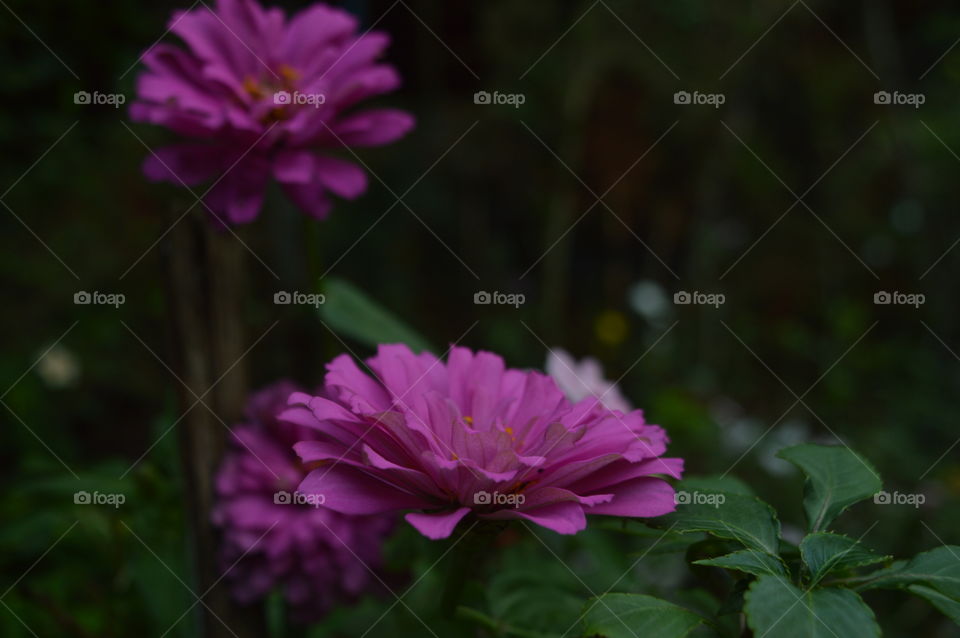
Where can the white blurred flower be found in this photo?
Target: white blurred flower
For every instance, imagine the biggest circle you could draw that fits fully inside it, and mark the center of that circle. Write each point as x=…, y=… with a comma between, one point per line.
x=58, y=367
x=579, y=380
x=648, y=299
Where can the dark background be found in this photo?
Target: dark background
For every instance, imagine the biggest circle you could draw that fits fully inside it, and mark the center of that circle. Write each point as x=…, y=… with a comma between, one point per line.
x=798, y=351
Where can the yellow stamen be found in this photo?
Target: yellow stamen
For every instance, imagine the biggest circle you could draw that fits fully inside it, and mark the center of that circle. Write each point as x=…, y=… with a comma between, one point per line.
x=250, y=86
x=289, y=73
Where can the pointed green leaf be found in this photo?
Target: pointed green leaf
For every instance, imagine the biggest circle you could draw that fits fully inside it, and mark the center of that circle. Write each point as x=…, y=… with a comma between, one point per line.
x=748, y=561
x=939, y=568
x=775, y=607
x=349, y=311
x=824, y=552
x=632, y=615
x=837, y=477
x=745, y=519
x=934, y=575
x=949, y=606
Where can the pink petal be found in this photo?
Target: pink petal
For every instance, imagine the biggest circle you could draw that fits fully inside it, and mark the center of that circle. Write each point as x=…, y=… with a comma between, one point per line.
x=295, y=166
x=313, y=451
x=310, y=197
x=436, y=526
x=238, y=196
x=643, y=497
x=343, y=178
x=350, y=491
x=310, y=31
x=563, y=518
x=374, y=127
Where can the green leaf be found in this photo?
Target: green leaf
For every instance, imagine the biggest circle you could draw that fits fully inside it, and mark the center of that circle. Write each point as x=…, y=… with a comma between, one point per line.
x=350, y=311
x=534, y=600
x=775, y=607
x=632, y=615
x=934, y=575
x=939, y=568
x=837, y=477
x=824, y=552
x=745, y=519
x=949, y=606
x=748, y=561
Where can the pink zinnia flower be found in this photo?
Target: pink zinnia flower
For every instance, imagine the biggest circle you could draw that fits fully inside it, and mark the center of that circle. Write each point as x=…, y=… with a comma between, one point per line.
x=470, y=436
x=273, y=537
x=264, y=95
x=583, y=379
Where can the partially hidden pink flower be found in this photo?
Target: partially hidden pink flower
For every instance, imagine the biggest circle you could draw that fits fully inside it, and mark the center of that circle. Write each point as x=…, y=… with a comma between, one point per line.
x=471, y=437
x=584, y=378
x=261, y=95
x=274, y=537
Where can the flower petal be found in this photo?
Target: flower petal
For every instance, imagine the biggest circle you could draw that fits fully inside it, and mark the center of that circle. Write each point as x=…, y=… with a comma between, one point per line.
x=374, y=127
x=642, y=497
x=563, y=518
x=350, y=491
x=437, y=526
x=343, y=178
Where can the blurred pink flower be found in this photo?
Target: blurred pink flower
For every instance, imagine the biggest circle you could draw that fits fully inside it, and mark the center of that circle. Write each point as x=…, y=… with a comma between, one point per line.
x=260, y=94
x=470, y=436
x=583, y=379
x=273, y=537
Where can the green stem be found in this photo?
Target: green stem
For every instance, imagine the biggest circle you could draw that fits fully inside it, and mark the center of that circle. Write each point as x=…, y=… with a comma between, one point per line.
x=465, y=560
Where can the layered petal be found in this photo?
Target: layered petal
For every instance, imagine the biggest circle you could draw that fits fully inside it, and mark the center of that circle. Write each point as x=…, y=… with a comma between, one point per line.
x=248, y=75
x=467, y=435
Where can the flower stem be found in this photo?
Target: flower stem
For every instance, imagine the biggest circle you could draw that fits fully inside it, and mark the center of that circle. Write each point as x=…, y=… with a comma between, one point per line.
x=466, y=559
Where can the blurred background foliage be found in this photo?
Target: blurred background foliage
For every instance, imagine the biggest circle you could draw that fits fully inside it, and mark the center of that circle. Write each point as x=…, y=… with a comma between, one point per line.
x=506, y=199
